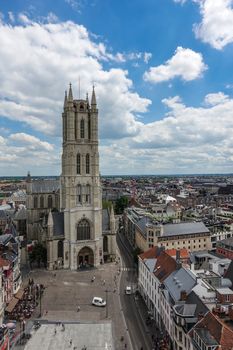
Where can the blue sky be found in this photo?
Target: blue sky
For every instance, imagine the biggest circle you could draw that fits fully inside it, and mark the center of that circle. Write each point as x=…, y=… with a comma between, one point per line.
x=163, y=76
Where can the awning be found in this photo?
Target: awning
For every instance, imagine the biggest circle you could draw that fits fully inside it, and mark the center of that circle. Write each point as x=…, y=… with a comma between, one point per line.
x=19, y=294
x=10, y=307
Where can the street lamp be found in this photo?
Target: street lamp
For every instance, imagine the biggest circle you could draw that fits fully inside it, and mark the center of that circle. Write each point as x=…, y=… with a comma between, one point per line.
x=40, y=294
x=106, y=291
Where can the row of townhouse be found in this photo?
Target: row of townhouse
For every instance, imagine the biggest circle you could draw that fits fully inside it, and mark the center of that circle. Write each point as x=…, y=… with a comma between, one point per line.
x=182, y=300
x=10, y=274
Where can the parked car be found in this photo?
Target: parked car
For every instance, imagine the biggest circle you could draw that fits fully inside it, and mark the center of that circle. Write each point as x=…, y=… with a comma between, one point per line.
x=128, y=290
x=98, y=301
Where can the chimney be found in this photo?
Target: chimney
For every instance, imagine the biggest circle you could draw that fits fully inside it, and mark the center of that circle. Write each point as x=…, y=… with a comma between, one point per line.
x=183, y=295
x=177, y=255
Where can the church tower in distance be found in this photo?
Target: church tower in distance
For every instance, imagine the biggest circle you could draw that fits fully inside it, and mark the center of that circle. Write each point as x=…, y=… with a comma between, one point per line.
x=81, y=197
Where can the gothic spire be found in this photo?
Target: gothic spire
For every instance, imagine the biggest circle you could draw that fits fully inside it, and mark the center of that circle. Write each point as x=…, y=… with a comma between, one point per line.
x=93, y=98
x=65, y=99
x=70, y=96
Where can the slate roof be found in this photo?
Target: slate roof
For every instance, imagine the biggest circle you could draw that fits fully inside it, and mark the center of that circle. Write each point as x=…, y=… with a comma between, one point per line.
x=3, y=215
x=4, y=239
x=150, y=263
x=180, y=280
x=229, y=272
x=226, y=242
x=184, y=228
x=222, y=334
x=105, y=220
x=186, y=309
x=45, y=186
x=58, y=223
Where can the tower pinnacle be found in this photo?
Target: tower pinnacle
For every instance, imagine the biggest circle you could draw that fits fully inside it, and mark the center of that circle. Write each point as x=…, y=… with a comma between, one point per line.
x=65, y=99
x=93, y=98
x=70, y=96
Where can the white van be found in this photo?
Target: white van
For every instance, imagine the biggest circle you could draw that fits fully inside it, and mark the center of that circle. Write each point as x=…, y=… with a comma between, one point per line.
x=128, y=290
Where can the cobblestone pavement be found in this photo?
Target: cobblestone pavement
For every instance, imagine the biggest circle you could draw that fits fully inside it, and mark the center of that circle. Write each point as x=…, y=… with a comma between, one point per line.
x=68, y=291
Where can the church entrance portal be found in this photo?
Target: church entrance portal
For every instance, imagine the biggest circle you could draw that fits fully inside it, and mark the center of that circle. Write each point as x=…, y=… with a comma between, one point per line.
x=85, y=257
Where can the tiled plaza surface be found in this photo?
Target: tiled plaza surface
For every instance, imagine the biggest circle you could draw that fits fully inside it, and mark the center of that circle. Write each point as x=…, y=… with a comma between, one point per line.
x=68, y=296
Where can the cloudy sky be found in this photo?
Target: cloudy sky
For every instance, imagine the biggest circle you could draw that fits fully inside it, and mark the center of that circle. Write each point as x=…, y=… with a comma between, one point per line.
x=163, y=72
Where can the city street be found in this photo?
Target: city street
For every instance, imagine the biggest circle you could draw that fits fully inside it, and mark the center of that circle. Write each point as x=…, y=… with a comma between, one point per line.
x=68, y=296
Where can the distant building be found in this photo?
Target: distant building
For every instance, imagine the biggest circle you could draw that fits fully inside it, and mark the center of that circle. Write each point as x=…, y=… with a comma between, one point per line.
x=225, y=248
x=144, y=232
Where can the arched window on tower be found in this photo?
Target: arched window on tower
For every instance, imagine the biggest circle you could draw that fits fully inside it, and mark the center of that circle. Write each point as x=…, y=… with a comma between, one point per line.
x=82, y=129
x=50, y=201
x=79, y=194
x=78, y=165
x=83, y=230
x=60, y=249
x=35, y=202
x=87, y=163
x=88, y=194
x=41, y=201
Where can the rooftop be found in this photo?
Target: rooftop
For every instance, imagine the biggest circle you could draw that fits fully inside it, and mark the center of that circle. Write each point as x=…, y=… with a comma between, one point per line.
x=51, y=337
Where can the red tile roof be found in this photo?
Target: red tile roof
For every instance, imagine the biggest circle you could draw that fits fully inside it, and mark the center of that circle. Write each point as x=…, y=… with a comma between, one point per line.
x=184, y=254
x=150, y=253
x=219, y=330
x=165, y=264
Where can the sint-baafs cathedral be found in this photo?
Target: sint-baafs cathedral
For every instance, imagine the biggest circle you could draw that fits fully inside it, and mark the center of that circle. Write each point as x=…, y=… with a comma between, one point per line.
x=66, y=214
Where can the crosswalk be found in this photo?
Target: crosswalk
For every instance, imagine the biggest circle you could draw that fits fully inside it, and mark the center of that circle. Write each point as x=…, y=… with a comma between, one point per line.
x=127, y=269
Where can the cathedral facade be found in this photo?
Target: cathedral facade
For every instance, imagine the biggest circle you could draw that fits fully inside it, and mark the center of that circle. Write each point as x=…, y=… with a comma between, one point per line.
x=79, y=233
x=80, y=195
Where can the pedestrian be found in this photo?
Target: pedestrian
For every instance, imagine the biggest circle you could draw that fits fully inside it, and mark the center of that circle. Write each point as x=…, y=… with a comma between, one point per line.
x=71, y=342
x=103, y=282
x=125, y=346
x=55, y=331
x=78, y=308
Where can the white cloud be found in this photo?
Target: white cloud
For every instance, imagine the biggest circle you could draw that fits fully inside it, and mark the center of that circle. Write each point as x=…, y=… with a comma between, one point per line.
x=32, y=141
x=147, y=56
x=75, y=4
x=216, y=98
x=180, y=1
x=11, y=16
x=216, y=27
x=49, y=56
x=185, y=63
x=186, y=140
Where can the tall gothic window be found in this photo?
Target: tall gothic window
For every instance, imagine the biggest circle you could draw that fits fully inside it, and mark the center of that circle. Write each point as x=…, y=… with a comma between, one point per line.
x=41, y=202
x=60, y=249
x=83, y=230
x=87, y=163
x=35, y=204
x=88, y=194
x=78, y=165
x=79, y=194
x=82, y=129
x=50, y=201
x=89, y=127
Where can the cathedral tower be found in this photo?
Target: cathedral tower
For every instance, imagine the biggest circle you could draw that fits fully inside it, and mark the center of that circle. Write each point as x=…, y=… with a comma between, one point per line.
x=81, y=198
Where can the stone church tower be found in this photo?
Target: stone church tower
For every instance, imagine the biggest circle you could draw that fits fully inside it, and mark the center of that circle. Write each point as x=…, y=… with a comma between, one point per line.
x=80, y=194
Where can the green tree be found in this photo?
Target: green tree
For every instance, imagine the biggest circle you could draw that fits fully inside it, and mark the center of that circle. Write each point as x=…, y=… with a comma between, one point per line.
x=106, y=204
x=121, y=204
x=38, y=255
